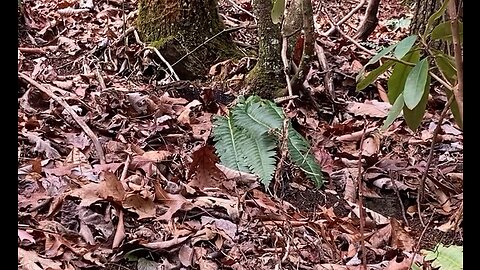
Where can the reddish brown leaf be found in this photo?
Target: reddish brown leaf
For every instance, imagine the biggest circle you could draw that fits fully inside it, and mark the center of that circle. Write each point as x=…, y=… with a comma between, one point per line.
x=203, y=172
x=401, y=239
x=174, y=202
x=144, y=207
x=111, y=188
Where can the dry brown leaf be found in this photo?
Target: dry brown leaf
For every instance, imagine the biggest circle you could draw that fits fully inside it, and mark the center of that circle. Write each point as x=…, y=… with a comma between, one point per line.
x=156, y=156
x=28, y=260
x=401, y=239
x=372, y=108
x=111, y=188
x=185, y=255
x=87, y=193
x=371, y=146
x=381, y=237
x=184, y=117
x=42, y=146
x=174, y=202
x=166, y=244
x=402, y=265
x=203, y=171
x=23, y=235
x=227, y=226
x=145, y=208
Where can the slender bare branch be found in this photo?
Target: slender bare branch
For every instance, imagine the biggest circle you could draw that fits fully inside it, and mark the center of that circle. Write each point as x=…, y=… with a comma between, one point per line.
x=80, y=122
x=458, y=89
x=334, y=27
x=421, y=188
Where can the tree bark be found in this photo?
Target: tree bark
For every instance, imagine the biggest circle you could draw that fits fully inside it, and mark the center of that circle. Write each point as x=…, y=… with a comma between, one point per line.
x=423, y=10
x=369, y=22
x=266, y=79
x=178, y=27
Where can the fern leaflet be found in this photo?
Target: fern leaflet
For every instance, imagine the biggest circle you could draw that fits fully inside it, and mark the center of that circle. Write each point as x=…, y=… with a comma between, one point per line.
x=226, y=136
x=299, y=150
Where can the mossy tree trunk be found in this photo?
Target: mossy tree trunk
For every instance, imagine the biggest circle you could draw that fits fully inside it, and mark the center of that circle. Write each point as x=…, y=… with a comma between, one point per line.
x=267, y=79
x=178, y=27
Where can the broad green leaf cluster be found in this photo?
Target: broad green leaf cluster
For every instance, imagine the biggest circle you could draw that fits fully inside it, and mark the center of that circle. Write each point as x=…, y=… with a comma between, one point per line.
x=445, y=258
x=247, y=140
x=410, y=71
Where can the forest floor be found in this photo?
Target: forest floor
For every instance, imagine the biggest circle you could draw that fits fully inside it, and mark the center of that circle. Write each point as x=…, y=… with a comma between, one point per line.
x=134, y=205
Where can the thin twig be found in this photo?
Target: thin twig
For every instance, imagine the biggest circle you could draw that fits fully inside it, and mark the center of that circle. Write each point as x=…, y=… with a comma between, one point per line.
x=80, y=122
x=165, y=62
x=123, y=35
x=395, y=187
x=360, y=199
x=242, y=9
x=124, y=172
x=100, y=79
x=421, y=188
x=286, y=69
x=353, y=41
x=417, y=246
x=27, y=50
x=458, y=90
x=120, y=232
x=327, y=77
x=335, y=26
x=206, y=41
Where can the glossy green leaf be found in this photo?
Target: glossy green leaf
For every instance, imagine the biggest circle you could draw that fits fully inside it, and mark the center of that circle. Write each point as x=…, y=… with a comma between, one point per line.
x=414, y=117
x=446, y=65
x=415, y=84
x=277, y=10
x=381, y=54
x=445, y=257
x=404, y=46
x=454, y=109
x=435, y=16
x=396, y=82
x=443, y=31
x=394, y=112
x=372, y=75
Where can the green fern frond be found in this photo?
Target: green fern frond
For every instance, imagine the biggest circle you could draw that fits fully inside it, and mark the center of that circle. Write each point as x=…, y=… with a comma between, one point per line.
x=273, y=108
x=299, y=151
x=255, y=118
x=260, y=155
x=226, y=135
x=244, y=143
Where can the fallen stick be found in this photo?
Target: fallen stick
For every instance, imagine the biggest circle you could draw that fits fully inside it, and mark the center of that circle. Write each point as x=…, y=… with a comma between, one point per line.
x=80, y=122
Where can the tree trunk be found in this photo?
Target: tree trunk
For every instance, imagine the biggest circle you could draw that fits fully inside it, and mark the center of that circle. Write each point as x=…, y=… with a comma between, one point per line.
x=369, y=22
x=267, y=79
x=423, y=10
x=178, y=27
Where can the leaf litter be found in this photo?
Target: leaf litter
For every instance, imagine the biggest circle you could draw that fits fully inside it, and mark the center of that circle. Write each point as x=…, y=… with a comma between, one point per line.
x=162, y=200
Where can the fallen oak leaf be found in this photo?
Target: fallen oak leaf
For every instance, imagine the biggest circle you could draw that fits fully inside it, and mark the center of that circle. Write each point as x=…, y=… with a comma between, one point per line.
x=184, y=117
x=111, y=188
x=28, y=260
x=144, y=207
x=203, y=171
x=174, y=202
x=23, y=235
x=42, y=146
